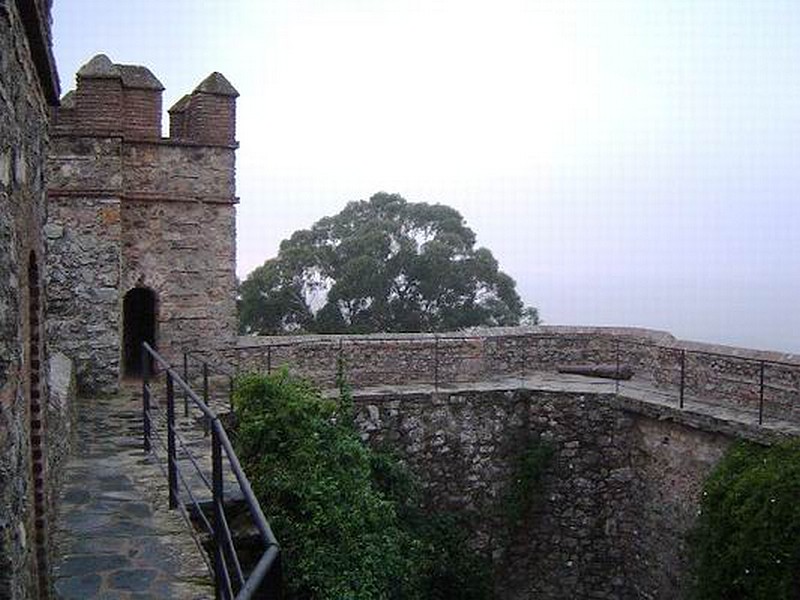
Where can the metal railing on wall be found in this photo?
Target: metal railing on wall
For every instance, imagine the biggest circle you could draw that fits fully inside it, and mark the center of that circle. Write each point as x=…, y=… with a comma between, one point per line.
x=763, y=387
x=231, y=579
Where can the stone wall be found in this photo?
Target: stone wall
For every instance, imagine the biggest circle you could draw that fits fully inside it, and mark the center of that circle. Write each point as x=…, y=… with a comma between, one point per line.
x=715, y=374
x=619, y=494
x=187, y=259
x=27, y=86
x=83, y=238
x=133, y=210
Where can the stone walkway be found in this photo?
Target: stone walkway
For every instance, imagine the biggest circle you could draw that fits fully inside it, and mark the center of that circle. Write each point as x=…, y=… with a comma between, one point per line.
x=116, y=537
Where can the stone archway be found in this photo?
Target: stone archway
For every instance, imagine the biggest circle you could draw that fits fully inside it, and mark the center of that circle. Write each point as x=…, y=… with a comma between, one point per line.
x=138, y=325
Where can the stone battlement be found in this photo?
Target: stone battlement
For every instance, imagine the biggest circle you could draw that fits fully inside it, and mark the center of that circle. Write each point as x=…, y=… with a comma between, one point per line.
x=115, y=100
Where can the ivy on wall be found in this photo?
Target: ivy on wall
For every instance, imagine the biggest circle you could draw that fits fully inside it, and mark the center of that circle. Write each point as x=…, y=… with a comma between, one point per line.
x=746, y=543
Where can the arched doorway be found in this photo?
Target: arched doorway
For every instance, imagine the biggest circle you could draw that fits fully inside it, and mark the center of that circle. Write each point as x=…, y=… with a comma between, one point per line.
x=36, y=424
x=138, y=325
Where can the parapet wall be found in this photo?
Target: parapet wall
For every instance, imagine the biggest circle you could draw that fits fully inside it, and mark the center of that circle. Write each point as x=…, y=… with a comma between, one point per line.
x=716, y=374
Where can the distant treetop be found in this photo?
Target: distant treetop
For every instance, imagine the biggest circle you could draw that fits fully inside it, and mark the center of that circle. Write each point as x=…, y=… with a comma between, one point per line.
x=381, y=265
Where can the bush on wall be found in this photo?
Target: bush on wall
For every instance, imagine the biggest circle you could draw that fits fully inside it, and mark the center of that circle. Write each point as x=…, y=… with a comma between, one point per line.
x=746, y=543
x=348, y=518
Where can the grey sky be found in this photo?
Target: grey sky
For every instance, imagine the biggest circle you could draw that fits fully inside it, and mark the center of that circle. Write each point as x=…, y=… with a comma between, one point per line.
x=629, y=162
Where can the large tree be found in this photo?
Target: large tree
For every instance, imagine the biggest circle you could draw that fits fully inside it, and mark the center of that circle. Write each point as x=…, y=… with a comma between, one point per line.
x=381, y=265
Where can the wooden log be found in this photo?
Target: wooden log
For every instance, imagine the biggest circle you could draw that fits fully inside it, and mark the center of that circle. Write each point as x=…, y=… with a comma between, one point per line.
x=606, y=371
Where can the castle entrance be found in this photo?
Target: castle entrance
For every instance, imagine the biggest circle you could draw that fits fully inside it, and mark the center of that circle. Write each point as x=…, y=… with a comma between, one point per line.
x=138, y=325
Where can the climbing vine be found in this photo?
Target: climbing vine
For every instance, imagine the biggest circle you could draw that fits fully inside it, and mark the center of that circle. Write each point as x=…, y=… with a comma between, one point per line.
x=746, y=543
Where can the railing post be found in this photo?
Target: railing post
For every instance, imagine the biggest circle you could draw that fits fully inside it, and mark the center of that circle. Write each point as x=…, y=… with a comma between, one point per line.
x=273, y=581
x=761, y=394
x=683, y=375
x=230, y=391
x=436, y=362
x=172, y=466
x=205, y=394
x=217, y=493
x=269, y=360
x=339, y=365
x=616, y=378
x=186, y=381
x=146, y=397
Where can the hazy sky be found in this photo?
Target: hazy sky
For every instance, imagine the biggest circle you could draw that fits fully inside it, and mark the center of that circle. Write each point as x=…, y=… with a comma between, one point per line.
x=629, y=162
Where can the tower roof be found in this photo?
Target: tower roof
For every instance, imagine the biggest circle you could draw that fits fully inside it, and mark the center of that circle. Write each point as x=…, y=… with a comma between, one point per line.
x=218, y=85
x=181, y=104
x=141, y=78
x=100, y=66
x=132, y=76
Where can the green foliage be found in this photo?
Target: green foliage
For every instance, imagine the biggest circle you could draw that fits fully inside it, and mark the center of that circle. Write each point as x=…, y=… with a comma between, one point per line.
x=381, y=265
x=348, y=518
x=524, y=487
x=447, y=569
x=746, y=543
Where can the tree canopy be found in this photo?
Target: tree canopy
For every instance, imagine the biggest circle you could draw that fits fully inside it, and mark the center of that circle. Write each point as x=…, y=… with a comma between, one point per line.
x=381, y=265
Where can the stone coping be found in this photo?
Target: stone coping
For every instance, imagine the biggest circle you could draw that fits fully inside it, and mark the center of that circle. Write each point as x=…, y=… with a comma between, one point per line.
x=637, y=398
x=647, y=336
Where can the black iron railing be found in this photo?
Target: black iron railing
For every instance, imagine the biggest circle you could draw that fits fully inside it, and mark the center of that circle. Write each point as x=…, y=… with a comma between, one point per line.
x=761, y=388
x=232, y=579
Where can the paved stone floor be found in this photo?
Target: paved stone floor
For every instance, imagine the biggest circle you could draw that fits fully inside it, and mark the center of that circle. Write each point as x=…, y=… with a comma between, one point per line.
x=116, y=537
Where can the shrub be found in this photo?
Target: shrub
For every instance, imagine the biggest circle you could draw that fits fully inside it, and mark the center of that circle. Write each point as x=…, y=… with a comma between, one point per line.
x=746, y=543
x=348, y=518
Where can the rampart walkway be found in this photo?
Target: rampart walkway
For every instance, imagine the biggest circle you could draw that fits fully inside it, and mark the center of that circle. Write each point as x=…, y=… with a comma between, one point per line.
x=117, y=538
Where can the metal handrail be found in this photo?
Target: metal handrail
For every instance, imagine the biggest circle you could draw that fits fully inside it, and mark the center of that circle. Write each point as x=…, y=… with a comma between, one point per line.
x=657, y=345
x=269, y=563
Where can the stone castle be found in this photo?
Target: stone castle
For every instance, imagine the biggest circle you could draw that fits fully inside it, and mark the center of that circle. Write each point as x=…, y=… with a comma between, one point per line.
x=112, y=235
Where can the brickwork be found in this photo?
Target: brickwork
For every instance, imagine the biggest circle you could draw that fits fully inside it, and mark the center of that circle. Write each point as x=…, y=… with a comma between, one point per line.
x=131, y=209
x=27, y=85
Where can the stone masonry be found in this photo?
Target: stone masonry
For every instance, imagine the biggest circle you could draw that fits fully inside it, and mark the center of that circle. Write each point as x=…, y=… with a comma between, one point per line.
x=720, y=374
x=133, y=211
x=624, y=484
x=619, y=495
x=28, y=423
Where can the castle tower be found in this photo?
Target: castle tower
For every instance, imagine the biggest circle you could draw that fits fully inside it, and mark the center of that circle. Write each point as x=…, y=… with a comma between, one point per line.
x=141, y=228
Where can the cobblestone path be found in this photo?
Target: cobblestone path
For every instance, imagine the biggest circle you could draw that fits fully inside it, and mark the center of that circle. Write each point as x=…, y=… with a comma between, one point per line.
x=116, y=537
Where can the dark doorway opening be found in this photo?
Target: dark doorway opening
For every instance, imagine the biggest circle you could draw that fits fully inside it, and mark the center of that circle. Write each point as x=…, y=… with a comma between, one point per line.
x=138, y=325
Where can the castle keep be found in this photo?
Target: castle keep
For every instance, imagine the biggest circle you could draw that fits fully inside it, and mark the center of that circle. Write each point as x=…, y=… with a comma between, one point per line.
x=141, y=228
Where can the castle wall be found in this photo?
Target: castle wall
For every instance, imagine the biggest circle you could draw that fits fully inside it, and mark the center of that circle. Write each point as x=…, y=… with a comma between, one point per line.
x=84, y=235
x=722, y=375
x=27, y=85
x=619, y=494
x=187, y=258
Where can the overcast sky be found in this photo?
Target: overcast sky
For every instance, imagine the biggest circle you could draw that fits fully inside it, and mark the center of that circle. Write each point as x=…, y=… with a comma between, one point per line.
x=628, y=162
